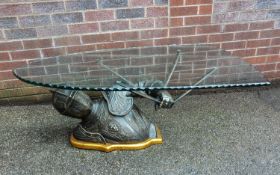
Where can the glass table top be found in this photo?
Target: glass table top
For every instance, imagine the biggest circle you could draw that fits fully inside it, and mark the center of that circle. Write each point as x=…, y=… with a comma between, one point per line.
x=147, y=68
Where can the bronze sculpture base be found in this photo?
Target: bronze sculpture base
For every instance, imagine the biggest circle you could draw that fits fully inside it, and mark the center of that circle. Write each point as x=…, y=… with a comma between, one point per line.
x=111, y=123
x=118, y=146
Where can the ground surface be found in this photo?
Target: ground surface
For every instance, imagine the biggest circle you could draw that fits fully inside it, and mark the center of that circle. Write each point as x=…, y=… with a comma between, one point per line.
x=233, y=133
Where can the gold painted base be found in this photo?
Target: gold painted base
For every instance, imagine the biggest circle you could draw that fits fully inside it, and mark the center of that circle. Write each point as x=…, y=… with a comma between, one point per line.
x=112, y=147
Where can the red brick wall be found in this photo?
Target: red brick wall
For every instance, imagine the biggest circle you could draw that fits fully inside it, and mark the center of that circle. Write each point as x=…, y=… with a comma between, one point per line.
x=255, y=26
x=247, y=28
x=34, y=29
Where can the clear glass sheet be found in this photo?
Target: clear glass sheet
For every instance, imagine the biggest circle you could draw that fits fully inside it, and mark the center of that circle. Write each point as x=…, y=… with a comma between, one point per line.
x=165, y=67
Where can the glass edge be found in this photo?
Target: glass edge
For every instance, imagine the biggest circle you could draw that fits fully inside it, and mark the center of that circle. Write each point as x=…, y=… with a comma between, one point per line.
x=210, y=86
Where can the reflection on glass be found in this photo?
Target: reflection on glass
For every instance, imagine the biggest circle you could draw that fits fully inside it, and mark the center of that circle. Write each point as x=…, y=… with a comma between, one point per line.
x=176, y=67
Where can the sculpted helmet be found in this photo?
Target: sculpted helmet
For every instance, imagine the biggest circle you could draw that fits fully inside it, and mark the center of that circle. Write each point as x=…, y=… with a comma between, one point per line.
x=75, y=104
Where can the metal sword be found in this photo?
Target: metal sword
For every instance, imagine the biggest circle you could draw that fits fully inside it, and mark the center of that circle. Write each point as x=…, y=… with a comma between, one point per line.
x=197, y=83
x=178, y=56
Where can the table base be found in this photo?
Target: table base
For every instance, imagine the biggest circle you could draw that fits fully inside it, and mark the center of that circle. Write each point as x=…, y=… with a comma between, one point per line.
x=119, y=146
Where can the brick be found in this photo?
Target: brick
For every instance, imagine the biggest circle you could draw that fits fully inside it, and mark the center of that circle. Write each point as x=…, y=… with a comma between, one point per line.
x=241, y=5
x=38, y=43
x=196, y=20
x=252, y=15
x=67, y=18
x=167, y=41
x=51, y=52
x=265, y=4
x=194, y=39
x=208, y=29
x=246, y=35
x=157, y=11
x=80, y=5
x=273, y=14
x=4, y=56
x=161, y=2
x=98, y=38
x=153, y=50
x=9, y=22
x=265, y=67
x=227, y=17
x=21, y=33
x=67, y=41
x=278, y=68
x=1, y=35
x=235, y=27
x=244, y=53
x=12, y=84
x=135, y=3
x=48, y=7
x=8, y=75
x=26, y=54
x=52, y=31
x=176, y=2
x=119, y=63
x=220, y=8
x=83, y=28
x=112, y=3
x=180, y=31
x=183, y=11
x=34, y=21
x=142, y=61
x=158, y=33
x=205, y=9
x=273, y=59
x=15, y=9
x=11, y=65
x=22, y=92
x=16, y=45
x=261, y=25
x=234, y=45
x=156, y=69
x=135, y=51
x=161, y=22
x=84, y=48
x=221, y=37
x=101, y=15
x=275, y=41
x=130, y=13
x=271, y=75
x=142, y=23
x=176, y=22
x=270, y=33
x=110, y=45
x=255, y=60
x=114, y=25
x=194, y=2
x=269, y=50
x=141, y=43
x=124, y=36
x=258, y=43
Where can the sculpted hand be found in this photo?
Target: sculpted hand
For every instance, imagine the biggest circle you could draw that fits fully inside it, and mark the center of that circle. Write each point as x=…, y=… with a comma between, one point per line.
x=166, y=100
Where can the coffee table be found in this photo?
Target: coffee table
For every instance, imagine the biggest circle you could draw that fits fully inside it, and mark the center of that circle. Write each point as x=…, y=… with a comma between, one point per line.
x=114, y=122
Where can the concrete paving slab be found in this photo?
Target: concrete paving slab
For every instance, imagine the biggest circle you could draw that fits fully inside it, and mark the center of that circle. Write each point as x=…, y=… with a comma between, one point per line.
x=223, y=133
x=271, y=97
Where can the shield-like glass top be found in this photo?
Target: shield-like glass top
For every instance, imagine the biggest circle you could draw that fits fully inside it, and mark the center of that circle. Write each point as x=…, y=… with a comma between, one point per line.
x=164, y=67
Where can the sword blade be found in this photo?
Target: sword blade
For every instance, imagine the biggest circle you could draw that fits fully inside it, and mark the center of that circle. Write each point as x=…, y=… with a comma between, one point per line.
x=197, y=83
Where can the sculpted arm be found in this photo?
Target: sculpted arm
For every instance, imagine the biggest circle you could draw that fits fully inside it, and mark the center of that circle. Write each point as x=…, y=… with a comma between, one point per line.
x=165, y=98
x=72, y=103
